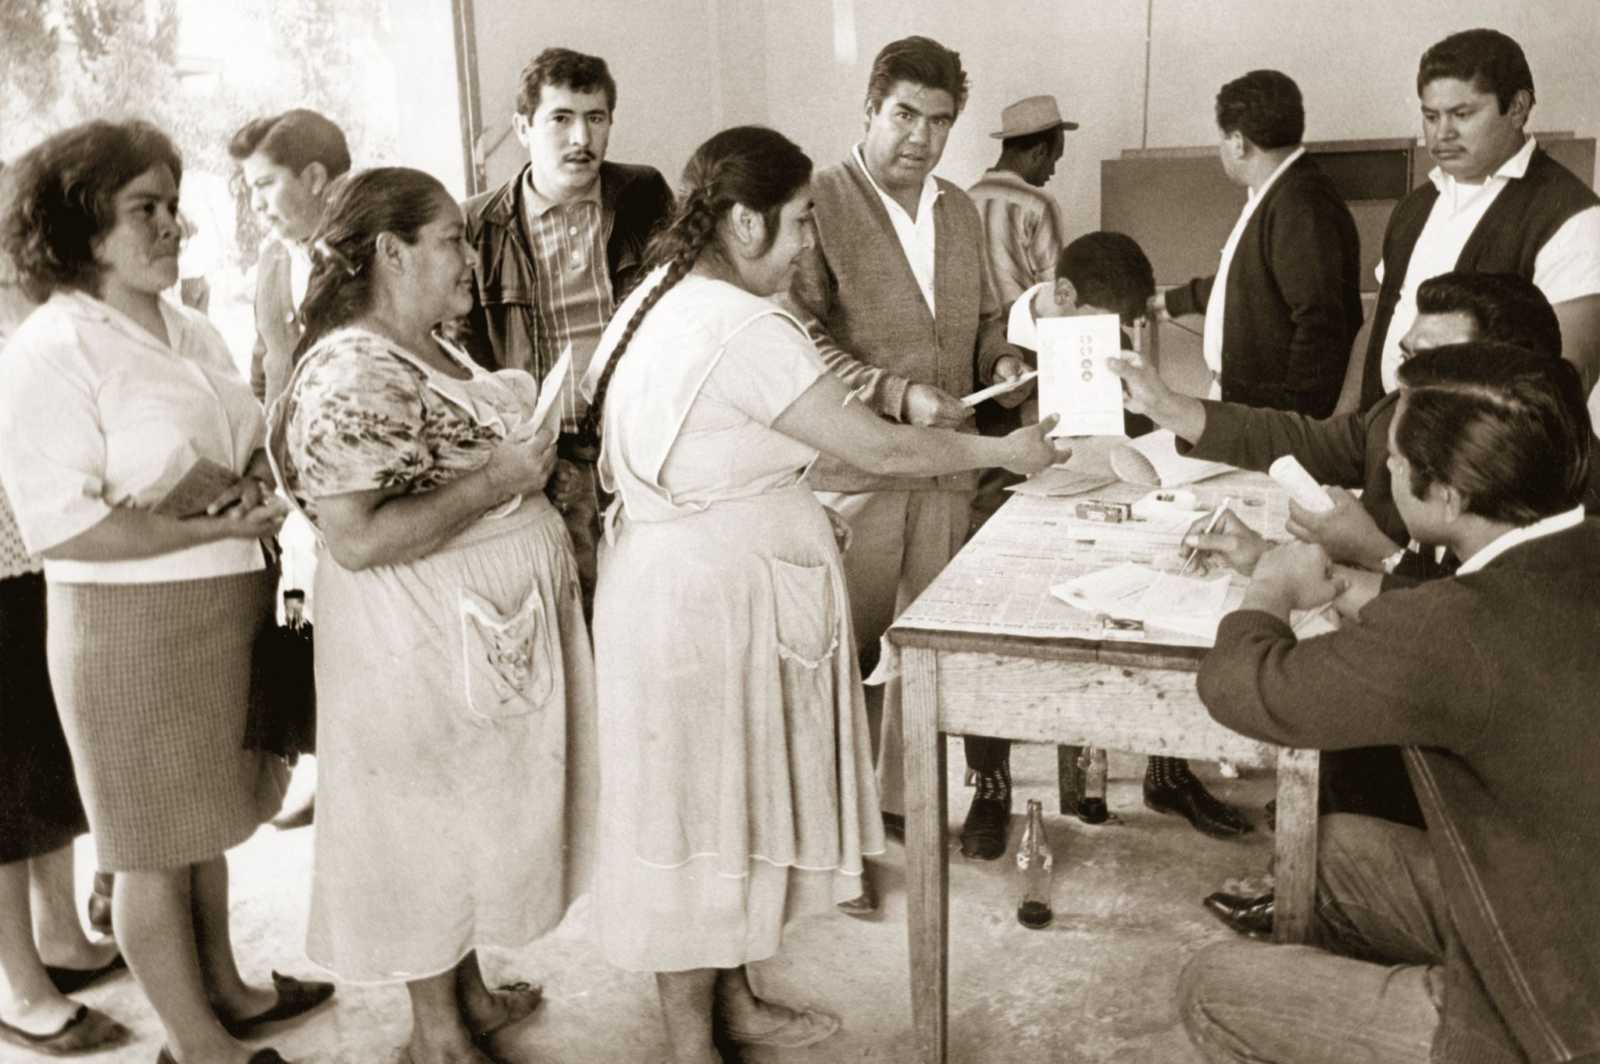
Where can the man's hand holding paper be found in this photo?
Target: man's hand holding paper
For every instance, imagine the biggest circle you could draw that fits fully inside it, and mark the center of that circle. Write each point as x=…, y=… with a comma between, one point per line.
x=931, y=407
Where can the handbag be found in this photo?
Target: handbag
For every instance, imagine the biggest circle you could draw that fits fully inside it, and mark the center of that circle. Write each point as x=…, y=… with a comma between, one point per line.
x=282, y=716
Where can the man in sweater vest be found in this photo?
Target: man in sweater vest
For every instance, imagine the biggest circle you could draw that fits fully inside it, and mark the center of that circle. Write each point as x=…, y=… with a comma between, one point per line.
x=895, y=296
x=1494, y=203
x=1284, y=306
x=1477, y=940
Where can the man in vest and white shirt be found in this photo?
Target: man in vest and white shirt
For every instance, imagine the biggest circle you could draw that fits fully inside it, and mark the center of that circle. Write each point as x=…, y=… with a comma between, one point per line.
x=1494, y=203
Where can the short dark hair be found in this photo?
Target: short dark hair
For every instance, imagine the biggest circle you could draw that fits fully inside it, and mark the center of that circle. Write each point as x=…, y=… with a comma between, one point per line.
x=1506, y=427
x=1487, y=59
x=921, y=61
x=294, y=139
x=1265, y=106
x=1109, y=270
x=61, y=198
x=1506, y=307
x=563, y=66
x=1028, y=141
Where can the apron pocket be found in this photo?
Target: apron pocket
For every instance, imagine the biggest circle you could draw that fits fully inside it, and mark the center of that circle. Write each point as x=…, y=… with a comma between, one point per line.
x=510, y=660
x=804, y=614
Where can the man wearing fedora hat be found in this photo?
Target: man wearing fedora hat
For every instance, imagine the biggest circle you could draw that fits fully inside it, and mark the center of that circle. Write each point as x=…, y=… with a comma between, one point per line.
x=1021, y=224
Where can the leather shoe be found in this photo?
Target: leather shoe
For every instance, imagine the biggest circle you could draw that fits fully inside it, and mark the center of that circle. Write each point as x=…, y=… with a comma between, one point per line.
x=1189, y=799
x=864, y=904
x=260, y=1056
x=295, y=998
x=1251, y=917
x=983, y=834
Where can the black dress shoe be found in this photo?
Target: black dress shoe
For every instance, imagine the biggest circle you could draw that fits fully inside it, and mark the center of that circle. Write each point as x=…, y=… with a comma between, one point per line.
x=1187, y=797
x=1251, y=917
x=983, y=834
x=72, y=980
x=295, y=998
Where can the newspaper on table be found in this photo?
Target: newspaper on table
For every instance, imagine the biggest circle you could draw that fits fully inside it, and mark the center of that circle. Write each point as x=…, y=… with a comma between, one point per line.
x=1074, y=381
x=1000, y=583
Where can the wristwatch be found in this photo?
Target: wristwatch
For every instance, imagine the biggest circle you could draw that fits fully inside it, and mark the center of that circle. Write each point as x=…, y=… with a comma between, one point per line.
x=1392, y=562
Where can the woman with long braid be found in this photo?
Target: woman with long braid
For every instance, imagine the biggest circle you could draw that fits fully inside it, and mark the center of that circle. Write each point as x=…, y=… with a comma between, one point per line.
x=738, y=790
x=455, y=685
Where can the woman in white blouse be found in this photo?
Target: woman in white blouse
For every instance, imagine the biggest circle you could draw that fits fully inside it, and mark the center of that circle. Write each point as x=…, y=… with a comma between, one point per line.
x=133, y=461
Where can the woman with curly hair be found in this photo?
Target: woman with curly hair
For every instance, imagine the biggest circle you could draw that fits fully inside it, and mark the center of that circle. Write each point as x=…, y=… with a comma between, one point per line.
x=133, y=461
x=738, y=790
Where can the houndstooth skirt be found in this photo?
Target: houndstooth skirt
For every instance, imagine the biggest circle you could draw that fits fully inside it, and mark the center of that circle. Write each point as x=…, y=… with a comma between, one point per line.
x=152, y=682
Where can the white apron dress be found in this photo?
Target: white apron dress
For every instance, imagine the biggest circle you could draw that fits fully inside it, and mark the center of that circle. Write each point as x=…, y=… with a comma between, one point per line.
x=738, y=788
x=455, y=740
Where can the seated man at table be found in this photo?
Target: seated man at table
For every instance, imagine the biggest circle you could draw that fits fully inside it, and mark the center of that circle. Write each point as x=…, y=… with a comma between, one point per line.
x=1478, y=939
x=1108, y=273
x=1351, y=451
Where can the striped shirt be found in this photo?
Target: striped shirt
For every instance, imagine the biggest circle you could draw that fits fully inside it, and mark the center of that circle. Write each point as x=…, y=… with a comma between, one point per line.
x=1022, y=230
x=572, y=295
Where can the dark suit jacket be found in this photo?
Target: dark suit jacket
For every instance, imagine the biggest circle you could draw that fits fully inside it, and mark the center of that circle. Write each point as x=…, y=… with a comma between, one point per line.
x=1491, y=679
x=1294, y=297
x=499, y=330
x=1347, y=451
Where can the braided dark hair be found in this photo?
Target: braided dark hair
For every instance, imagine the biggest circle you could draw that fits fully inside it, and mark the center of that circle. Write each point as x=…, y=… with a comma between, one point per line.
x=752, y=165
x=360, y=206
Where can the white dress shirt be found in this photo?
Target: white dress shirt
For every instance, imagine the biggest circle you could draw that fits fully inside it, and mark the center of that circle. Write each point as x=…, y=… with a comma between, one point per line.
x=1548, y=526
x=1216, y=304
x=97, y=413
x=1567, y=267
x=916, y=235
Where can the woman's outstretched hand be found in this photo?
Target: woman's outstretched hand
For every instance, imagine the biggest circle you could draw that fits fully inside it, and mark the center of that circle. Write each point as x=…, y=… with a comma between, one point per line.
x=1030, y=449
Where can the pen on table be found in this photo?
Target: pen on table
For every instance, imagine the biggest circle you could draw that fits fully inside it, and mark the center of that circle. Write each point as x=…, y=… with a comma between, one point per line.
x=1211, y=526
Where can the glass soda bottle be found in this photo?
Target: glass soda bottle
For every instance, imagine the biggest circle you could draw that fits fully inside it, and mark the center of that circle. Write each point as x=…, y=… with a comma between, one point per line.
x=1092, y=806
x=1035, y=866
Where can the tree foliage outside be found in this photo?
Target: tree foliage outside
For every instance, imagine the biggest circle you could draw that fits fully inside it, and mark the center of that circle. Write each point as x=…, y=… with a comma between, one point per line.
x=69, y=61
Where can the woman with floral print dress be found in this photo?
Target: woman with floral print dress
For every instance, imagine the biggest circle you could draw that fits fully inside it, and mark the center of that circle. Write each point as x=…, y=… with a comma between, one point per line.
x=455, y=682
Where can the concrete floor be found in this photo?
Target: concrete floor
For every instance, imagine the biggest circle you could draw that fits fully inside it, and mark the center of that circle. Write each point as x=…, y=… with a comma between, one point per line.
x=1098, y=985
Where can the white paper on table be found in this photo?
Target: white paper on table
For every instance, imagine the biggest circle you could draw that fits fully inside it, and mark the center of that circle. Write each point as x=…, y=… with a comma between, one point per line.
x=547, y=411
x=1153, y=460
x=1074, y=381
x=1116, y=590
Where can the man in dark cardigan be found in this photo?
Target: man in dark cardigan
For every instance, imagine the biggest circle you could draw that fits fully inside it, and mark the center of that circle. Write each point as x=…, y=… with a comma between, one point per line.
x=1477, y=940
x=1284, y=306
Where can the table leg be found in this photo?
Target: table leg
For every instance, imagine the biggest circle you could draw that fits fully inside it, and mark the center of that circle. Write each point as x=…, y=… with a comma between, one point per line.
x=1295, y=870
x=927, y=857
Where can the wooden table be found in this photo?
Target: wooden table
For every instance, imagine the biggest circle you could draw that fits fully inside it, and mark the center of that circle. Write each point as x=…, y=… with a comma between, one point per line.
x=986, y=650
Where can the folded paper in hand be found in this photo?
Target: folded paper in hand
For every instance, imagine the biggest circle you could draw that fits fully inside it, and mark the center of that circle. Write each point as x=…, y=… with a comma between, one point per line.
x=1153, y=460
x=1073, y=379
x=547, y=412
x=196, y=489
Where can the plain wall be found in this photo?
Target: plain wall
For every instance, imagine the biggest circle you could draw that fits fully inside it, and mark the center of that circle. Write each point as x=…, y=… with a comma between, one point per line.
x=687, y=68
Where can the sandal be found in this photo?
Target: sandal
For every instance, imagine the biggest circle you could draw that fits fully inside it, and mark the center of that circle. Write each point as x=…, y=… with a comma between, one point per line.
x=295, y=998
x=86, y=1031
x=71, y=980
x=521, y=998
x=806, y=1027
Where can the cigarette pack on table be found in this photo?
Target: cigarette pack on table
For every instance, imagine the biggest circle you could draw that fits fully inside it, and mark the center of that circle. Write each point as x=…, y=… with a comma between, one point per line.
x=1099, y=510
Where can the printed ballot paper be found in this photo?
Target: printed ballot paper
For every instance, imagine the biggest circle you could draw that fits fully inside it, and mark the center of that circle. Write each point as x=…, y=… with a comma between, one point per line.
x=1191, y=605
x=1073, y=379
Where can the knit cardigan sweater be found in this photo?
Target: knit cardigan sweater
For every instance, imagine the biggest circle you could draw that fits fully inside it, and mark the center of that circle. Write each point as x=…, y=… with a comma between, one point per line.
x=859, y=301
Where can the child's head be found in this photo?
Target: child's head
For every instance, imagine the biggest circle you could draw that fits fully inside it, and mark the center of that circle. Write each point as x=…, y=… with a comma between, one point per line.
x=1104, y=273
